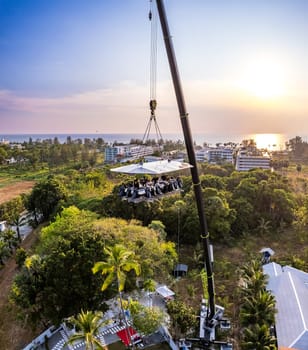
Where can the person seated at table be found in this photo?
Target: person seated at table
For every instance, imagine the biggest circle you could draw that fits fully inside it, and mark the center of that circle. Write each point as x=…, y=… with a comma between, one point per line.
x=129, y=190
x=179, y=182
x=136, y=183
x=148, y=192
x=144, y=180
x=173, y=183
x=122, y=190
x=163, y=182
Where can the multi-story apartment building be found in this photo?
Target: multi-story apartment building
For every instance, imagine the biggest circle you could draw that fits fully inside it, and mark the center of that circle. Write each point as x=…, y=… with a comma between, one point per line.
x=116, y=153
x=213, y=155
x=246, y=161
x=111, y=154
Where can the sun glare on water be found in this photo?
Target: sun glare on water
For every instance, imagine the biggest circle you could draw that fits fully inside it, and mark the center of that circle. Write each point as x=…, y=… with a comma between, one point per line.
x=270, y=142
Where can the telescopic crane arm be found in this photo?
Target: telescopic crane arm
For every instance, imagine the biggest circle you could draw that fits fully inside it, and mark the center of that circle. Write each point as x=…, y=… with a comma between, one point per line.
x=191, y=156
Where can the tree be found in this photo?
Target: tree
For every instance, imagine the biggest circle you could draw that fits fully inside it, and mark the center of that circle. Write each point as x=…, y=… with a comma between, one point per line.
x=146, y=319
x=259, y=309
x=9, y=237
x=159, y=227
x=258, y=305
x=218, y=212
x=12, y=208
x=4, y=252
x=264, y=226
x=302, y=215
x=69, y=247
x=282, y=208
x=155, y=256
x=10, y=211
x=20, y=256
x=244, y=220
x=296, y=146
x=58, y=282
x=183, y=317
x=254, y=279
x=3, y=155
x=118, y=263
x=45, y=197
x=19, y=221
x=258, y=338
x=88, y=325
x=213, y=181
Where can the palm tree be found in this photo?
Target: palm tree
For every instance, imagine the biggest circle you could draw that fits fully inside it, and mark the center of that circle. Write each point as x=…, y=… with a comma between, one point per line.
x=258, y=338
x=119, y=261
x=258, y=309
x=264, y=226
x=19, y=221
x=88, y=324
x=255, y=284
x=249, y=269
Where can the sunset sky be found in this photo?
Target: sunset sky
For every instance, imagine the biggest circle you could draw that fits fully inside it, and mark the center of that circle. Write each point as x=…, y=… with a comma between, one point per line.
x=82, y=66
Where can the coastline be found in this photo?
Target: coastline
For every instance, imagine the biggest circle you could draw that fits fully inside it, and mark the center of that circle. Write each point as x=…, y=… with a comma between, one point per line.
x=199, y=138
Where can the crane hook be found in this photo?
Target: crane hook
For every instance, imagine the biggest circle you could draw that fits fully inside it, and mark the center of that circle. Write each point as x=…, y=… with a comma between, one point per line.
x=153, y=104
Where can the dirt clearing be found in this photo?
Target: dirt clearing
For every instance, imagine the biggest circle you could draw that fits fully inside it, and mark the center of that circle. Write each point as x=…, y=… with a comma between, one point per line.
x=14, y=190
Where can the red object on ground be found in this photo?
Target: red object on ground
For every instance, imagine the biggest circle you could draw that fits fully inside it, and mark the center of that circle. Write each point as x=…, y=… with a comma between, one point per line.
x=124, y=336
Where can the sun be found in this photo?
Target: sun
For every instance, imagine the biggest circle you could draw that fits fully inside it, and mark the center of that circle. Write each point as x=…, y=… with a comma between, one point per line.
x=264, y=78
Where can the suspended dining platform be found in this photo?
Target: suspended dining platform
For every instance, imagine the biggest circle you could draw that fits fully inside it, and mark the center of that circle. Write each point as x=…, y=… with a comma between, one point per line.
x=153, y=168
x=146, y=190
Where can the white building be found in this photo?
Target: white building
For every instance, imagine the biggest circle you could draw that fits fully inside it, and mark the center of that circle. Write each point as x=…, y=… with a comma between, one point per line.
x=246, y=161
x=213, y=155
x=111, y=154
x=115, y=153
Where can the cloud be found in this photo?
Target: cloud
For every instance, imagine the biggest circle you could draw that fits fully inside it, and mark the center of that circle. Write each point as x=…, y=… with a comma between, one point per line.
x=111, y=97
x=214, y=106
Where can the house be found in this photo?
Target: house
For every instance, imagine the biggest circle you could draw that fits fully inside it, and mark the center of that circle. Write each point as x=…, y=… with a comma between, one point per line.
x=290, y=289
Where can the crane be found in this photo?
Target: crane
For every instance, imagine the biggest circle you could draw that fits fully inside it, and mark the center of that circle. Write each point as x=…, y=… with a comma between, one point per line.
x=210, y=314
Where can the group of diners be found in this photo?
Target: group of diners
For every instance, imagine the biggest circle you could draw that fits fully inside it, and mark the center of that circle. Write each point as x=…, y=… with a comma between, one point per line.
x=149, y=188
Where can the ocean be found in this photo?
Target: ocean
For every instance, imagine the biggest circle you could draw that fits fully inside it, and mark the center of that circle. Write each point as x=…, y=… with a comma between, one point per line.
x=271, y=141
x=125, y=138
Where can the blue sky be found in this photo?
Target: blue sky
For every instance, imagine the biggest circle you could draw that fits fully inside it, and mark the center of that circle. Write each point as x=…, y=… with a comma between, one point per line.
x=77, y=66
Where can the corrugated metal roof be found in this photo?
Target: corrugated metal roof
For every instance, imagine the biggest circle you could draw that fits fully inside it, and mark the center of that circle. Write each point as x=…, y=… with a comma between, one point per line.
x=289, y=286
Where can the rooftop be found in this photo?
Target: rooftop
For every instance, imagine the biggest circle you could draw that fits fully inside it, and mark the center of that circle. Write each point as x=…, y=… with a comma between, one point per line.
x=290, y=288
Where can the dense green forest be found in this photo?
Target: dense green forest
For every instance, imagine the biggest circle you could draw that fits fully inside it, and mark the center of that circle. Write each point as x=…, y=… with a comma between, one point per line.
x=76, y=199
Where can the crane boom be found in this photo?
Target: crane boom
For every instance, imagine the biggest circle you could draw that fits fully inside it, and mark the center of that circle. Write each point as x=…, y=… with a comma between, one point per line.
x=191, y=156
